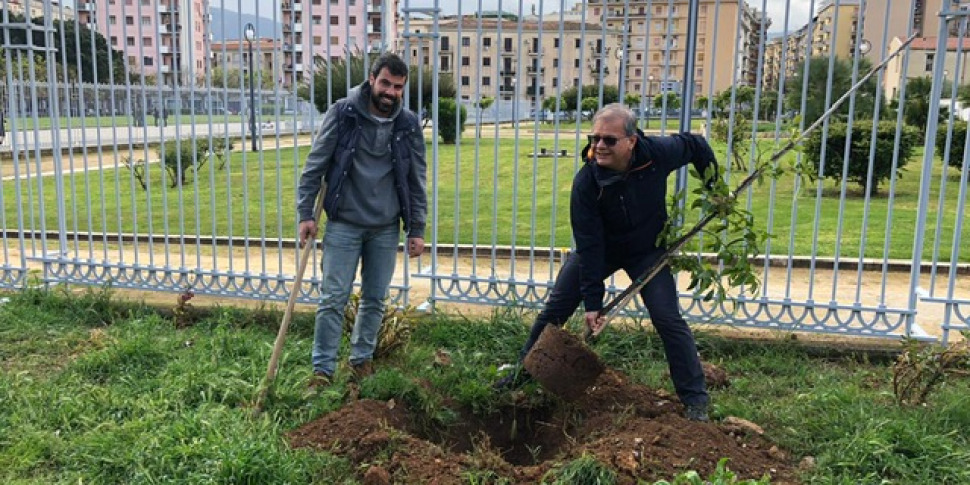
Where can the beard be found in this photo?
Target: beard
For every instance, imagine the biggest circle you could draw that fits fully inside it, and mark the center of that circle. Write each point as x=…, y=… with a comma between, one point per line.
x=383, y=103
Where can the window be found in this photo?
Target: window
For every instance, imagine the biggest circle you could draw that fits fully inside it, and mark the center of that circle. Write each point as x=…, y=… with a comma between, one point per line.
x=146, y=41
x=114, y=41
x=129, y=20
x=112, y=20
x=353, y=20
x=486, y=81
x=317, y=40
x=132, y=61
x=317, y=20
x=465, y=61
x=486, y=61
x=576, y=63
x=466, y=41
x=929, y=62
x=555, y=62
x=465, y=81
x=334, y=20
x=555, y=42
x=334, y=40
x=146, y=20
x=147, y=61
x=486, y=42
x=555, y=82
x=639, y=57
x=130, y=41
x=579, y=43
x=575, y=82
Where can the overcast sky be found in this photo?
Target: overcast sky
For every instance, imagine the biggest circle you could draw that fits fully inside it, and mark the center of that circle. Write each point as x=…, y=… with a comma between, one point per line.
x=798, y=14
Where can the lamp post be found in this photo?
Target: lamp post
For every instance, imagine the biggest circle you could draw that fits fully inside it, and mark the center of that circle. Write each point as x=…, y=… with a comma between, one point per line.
x=649, y=97
x=250, y=32
x=515, y=101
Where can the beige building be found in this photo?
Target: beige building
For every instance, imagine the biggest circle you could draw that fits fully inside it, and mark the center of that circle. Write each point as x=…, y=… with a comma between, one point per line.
x=35, y=8
x=922, y=61
x=234, y=54
x=657, y=41
x=926, y=22
x=501, y=64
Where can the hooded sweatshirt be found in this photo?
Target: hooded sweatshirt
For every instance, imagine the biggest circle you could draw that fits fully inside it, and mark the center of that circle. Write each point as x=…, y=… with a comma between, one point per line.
x=368, y=196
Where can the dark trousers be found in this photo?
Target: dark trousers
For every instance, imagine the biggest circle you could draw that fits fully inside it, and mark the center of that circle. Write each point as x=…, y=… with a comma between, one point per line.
x=660, y=298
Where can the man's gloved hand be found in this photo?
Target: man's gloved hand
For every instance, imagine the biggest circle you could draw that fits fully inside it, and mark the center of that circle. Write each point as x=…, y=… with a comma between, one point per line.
x=595, y=322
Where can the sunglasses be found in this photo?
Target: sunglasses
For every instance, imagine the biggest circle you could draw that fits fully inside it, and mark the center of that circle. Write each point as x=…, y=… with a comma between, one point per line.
x=608, y=140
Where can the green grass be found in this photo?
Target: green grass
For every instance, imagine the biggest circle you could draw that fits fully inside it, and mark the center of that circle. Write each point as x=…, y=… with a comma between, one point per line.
x=46, y=122
x=97, y=390
x=254, y=197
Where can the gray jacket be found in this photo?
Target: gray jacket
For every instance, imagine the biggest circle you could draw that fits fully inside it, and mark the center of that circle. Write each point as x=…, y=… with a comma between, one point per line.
x=374, y=174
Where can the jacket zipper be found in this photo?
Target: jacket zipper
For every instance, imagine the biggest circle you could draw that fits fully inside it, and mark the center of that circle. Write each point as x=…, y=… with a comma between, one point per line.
x=626, y=214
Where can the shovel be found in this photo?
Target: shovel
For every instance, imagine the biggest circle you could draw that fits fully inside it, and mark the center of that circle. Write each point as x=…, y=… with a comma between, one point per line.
x=563, y=364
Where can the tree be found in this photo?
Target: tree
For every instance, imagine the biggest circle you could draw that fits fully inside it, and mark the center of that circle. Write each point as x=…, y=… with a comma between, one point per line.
x=610, y=95
x=234, y=78
x=81, y=61
x=334, y=73
x=818, y=77
x=858, y=162
x=672, y=98
x=957, y=139
x=917, y=109
x=485, y=103
x=768, y=105
x=448, y=110
x=590, y=105
x=631, y=99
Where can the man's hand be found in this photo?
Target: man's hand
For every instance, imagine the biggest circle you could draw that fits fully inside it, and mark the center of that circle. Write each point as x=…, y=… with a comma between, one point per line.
x=308, y=231
x=595, y=322
x=415, y=246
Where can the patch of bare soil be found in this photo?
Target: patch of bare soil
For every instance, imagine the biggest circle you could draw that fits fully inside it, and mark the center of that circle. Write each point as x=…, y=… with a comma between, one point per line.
x=638, y=432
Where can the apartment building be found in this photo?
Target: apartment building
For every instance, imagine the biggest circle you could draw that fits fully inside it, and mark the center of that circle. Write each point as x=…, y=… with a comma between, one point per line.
x=35, y=8
x=167, y=38
x=234, y=54
x=728, y=39
x=528, y=59
x=922, y=60
x=328, y=29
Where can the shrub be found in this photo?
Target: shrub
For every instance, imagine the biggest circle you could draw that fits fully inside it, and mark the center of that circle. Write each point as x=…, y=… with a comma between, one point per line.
x=446, y=120
x=957, y=141
x=859, y=152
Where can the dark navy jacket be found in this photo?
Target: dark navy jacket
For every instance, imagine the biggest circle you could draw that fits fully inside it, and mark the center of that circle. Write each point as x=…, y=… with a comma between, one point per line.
x=616, y=217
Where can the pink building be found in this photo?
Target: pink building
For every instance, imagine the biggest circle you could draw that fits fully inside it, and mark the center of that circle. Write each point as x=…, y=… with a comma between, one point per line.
x=166, y=38
x=331, y=28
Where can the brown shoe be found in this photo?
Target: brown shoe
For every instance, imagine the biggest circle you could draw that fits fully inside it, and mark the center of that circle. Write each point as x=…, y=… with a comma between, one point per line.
x=362, y=370
x=319, y=380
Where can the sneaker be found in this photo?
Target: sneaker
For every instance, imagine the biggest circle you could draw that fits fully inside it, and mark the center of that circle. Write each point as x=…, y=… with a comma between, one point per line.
x=515, y=379
x=697, y=412
x=362, y=370
x=320, y=379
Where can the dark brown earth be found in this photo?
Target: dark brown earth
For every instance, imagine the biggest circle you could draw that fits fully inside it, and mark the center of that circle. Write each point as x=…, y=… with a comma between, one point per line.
x=562, y=364
x=638, y=432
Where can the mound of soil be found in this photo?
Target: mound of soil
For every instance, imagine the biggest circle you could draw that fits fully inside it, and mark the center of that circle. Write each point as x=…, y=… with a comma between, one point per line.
x=638, y=432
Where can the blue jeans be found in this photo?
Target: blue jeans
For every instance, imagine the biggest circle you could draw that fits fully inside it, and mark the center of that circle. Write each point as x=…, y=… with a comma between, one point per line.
x=343, y=246
x=660, y=298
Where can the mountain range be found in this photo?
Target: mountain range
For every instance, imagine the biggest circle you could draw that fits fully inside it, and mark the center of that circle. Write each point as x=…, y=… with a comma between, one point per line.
x=228, y=24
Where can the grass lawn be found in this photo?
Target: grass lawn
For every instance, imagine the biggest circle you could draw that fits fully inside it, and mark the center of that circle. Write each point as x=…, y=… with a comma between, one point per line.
x=519, y=200
x=45, y=123
x=98, y=390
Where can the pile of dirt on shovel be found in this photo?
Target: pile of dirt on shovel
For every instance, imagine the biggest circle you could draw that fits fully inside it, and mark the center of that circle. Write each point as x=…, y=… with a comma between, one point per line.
x=637, y=432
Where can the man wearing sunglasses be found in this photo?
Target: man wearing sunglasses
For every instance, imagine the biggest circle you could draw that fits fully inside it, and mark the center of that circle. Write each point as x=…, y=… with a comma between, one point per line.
x=617, y=210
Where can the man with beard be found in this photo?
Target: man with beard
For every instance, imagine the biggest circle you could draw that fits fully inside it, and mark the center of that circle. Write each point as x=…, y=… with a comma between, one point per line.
x=617, y=211
x=371, y=154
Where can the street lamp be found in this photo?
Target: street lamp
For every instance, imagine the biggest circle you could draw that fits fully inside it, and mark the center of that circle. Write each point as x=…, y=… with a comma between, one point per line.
x=515, y=107
x=620, y=53
x=250, y=32
x=649, y=97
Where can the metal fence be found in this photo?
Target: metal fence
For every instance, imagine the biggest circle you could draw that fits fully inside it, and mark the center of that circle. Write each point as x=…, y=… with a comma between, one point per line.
x=90, y=196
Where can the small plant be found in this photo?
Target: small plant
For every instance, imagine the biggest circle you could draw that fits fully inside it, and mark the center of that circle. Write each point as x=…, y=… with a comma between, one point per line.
x=584, y=470
x=396, y=326
x=721, y=476
x=922, y=368
x=183, y=309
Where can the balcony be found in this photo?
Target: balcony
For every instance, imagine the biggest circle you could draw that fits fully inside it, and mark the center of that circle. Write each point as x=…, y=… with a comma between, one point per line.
x=508, y=53
x=163, y=8
x=507, y=72
x=164, y=49
x=506, y=89
x=292, y=47
x=165, y=69
x=373, y=8
x=297, y=26
x=294, y=67
x=534, y=69
x=531, y=91
x=169, y=29
x=373, y=29
x=86, y=7
x=535, y=52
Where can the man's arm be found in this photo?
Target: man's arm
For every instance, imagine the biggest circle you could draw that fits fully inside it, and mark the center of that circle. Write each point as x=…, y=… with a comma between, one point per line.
x=417, y=186
x=317, y=162
x=674, y=151
x=590, y=243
